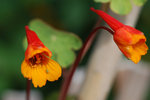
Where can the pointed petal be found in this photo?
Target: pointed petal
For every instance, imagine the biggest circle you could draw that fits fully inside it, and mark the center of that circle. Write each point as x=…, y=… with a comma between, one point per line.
x=112, y=22
x=32, y=37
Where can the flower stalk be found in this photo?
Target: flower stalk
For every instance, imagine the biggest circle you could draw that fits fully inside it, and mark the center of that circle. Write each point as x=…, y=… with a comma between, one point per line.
x=82, y=52
x=28, y=89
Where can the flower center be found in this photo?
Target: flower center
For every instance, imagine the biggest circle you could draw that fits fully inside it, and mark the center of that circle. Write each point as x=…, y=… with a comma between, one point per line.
x=38, y=59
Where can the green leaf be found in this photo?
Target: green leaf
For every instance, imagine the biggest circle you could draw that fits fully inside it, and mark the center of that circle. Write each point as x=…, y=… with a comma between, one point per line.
x=61, y=43
x=121, y=7
x=139, y=2
x=102, y=1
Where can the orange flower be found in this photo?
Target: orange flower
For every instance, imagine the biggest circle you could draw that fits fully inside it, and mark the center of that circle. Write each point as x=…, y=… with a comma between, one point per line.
x=129, y=40
x=38, y=64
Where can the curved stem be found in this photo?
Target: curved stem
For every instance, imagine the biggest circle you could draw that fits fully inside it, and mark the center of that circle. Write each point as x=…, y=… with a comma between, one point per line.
x=28, y=89
x=82, y=52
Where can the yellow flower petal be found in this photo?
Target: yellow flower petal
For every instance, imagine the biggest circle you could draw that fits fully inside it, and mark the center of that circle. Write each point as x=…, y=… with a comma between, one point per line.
x=138, y=51
x=137, y=38
x=135, y=57
x=140, y=48
x=39, y=76
x=26, y=70
x=53, y=70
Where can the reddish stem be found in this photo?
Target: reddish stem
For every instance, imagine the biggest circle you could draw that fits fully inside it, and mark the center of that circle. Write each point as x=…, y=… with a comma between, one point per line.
x=28, y=89
x=82, y=52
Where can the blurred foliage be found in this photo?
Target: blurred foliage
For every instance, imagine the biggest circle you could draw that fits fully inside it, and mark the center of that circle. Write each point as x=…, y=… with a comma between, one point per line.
x=102, y=1
x=122, y=7
x=55, y=95
x=61, y=43
x=143, y=25
x=139, y=2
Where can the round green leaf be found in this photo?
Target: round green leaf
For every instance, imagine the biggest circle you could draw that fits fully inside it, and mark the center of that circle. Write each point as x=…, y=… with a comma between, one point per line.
x=121, y=7
x=102, y=1
x=61, y=43
x=139, y=2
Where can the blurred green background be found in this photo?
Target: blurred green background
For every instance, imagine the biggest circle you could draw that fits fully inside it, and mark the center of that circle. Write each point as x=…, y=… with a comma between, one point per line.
x=69, y=15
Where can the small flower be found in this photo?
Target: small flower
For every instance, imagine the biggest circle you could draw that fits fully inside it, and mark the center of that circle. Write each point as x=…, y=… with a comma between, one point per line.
x=38, y=64
x=129, y=40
